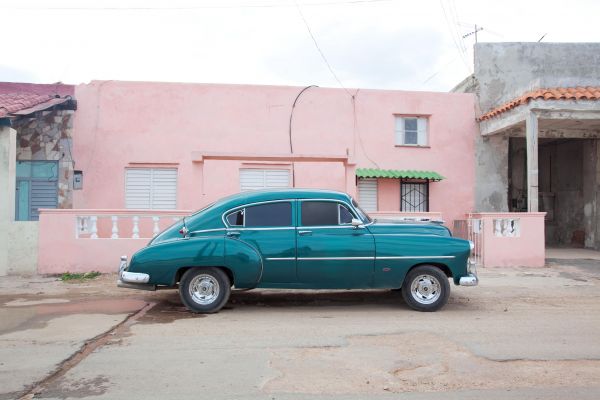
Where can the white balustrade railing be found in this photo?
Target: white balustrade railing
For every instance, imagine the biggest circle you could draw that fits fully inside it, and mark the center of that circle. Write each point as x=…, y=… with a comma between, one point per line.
x=506, y=227
x=119, y=225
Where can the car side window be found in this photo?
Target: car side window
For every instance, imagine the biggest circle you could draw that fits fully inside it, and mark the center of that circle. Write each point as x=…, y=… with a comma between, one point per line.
x=262, y=215
x=324, y=213
x=345, y=215
x=236, y=218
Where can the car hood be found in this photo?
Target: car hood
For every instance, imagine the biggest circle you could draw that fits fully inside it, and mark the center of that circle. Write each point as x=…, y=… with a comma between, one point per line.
x=408, y=227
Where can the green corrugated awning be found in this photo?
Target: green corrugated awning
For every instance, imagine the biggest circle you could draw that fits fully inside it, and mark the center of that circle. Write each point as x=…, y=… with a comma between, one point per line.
x=397, y=174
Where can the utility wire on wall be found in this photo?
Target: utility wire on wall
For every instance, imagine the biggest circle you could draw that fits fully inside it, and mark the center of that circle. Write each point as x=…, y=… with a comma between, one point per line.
x=290, y=130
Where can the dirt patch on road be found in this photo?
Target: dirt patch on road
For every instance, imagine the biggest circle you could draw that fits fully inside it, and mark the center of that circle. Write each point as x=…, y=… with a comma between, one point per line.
x=414, y=362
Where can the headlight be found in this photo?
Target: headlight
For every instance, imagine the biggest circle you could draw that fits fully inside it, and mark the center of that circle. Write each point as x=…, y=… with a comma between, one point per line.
x=472, y=246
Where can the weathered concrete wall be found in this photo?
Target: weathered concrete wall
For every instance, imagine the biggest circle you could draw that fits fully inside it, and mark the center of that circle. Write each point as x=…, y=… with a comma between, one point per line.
x=591, y=192
x=23, y=254
x=7, y=193
x=504, y=71
x=49, y=137
x=491, y=174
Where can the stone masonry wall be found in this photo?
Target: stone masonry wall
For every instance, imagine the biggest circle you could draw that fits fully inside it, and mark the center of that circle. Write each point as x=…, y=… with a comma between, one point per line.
x=48, y=135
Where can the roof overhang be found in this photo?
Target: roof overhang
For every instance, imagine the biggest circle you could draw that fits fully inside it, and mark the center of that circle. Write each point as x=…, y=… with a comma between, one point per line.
x=200, y=157
x=398, y=174
x=585, y=115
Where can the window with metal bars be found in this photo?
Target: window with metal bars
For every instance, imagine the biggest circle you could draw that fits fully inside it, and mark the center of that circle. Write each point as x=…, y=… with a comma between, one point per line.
x=414, y=196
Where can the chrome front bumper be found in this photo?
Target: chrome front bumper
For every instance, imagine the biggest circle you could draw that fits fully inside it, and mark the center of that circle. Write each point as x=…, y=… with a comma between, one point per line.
x=132, y=280
x=470, y=280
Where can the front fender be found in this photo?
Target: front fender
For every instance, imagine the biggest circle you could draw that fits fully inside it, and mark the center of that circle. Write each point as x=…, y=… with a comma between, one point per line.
x=161, y=261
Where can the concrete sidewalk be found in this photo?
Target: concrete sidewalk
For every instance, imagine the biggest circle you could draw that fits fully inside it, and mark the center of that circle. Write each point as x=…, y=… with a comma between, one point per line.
x=523, y=333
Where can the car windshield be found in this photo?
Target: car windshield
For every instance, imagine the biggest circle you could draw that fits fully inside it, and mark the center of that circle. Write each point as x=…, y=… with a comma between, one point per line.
x=362, y=214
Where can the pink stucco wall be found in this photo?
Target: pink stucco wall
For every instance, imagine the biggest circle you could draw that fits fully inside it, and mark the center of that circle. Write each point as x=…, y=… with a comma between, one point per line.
x=527, y=248
x=124, y=124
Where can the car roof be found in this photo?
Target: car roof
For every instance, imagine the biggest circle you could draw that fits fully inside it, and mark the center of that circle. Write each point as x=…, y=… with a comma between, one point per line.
x=255, y=196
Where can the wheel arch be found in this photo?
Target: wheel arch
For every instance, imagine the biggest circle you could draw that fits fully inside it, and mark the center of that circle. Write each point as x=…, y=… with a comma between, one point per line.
x=182, y=270
x=445, y=268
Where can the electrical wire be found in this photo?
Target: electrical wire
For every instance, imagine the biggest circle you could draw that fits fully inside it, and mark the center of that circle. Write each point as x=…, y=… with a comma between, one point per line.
x=290, y=130
x=319, y=49
x=190, y=8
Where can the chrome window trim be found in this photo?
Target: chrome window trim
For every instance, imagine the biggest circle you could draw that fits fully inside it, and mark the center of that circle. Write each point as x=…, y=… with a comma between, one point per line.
x=243, y=206
x=339, y=202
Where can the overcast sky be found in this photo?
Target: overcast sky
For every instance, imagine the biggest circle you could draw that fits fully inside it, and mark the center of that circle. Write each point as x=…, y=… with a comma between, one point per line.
x=387, y=44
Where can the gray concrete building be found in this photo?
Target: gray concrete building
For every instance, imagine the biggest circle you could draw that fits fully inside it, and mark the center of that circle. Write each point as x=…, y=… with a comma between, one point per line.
x=539, y=116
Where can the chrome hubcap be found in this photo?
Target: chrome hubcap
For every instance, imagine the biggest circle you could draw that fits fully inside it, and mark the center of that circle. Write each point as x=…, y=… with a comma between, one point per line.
x=425, y=289
x=204, y=289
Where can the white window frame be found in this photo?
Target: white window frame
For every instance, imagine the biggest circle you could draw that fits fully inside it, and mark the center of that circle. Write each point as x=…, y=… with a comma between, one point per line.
x=422, y=130
x=151, y=191
x=265, y=176
x=361, y=200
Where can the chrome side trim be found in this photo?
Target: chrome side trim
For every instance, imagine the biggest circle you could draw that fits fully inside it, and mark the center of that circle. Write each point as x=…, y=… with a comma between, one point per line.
x=334, y=258
x=360, y=258
x=413, y=257
x=208, y=230
x=326, y=227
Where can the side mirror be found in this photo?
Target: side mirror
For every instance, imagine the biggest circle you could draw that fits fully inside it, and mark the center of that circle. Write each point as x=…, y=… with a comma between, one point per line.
x=356, y=223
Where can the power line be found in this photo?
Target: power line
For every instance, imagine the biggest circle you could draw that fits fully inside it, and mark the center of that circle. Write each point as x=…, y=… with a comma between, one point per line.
x=319, y=49
x=280, y=5
x=458, y=43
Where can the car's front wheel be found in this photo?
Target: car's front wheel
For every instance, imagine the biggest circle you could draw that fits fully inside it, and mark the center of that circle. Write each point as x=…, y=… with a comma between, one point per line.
x=204, y=290
x=426, y=288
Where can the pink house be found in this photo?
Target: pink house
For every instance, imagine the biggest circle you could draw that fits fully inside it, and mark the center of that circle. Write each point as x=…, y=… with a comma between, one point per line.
x=145, y=154
x=215, y=140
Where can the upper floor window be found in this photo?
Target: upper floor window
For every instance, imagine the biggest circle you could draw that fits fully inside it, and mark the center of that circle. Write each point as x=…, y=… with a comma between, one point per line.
x=254, y=179
x=411, y=131
x=262, y=215
x=151, y=188
x=325, y=213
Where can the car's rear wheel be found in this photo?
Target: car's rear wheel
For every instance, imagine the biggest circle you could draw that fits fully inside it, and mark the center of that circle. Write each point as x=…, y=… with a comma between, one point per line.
x=426, y=288
x=204, y=290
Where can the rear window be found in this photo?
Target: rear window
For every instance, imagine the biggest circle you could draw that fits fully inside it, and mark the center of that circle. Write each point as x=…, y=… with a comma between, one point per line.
x=271, y=214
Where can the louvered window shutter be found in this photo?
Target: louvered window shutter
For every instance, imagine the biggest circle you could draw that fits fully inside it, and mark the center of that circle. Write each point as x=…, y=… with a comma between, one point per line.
x=254, y=179
x=367, y=194
x=151, y=188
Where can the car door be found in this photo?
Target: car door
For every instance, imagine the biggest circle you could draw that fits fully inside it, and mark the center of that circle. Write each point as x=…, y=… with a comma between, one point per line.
x=331, y=253
x=269, y=228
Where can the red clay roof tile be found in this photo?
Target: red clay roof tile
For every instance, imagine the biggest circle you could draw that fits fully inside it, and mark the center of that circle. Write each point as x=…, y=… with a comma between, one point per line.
x=14, y=102
x=569, y=93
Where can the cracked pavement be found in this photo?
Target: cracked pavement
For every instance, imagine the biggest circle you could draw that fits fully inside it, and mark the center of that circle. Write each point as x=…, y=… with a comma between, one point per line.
x=523, y=333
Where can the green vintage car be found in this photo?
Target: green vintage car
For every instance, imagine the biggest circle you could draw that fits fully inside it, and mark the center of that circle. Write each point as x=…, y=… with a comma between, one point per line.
x=298, y=239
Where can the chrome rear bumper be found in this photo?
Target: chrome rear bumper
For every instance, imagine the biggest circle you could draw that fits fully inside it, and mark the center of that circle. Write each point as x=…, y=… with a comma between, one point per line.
x=133, y=280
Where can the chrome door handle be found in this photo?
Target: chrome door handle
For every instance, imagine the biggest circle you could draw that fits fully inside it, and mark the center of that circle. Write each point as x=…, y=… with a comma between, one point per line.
x=303, y=233
x=233, y=234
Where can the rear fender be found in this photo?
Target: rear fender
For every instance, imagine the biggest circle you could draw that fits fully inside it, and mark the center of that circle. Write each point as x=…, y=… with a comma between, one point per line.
x=244, y=261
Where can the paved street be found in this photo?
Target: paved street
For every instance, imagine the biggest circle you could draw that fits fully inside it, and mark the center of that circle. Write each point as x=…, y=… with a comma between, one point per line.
x=523, y=333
